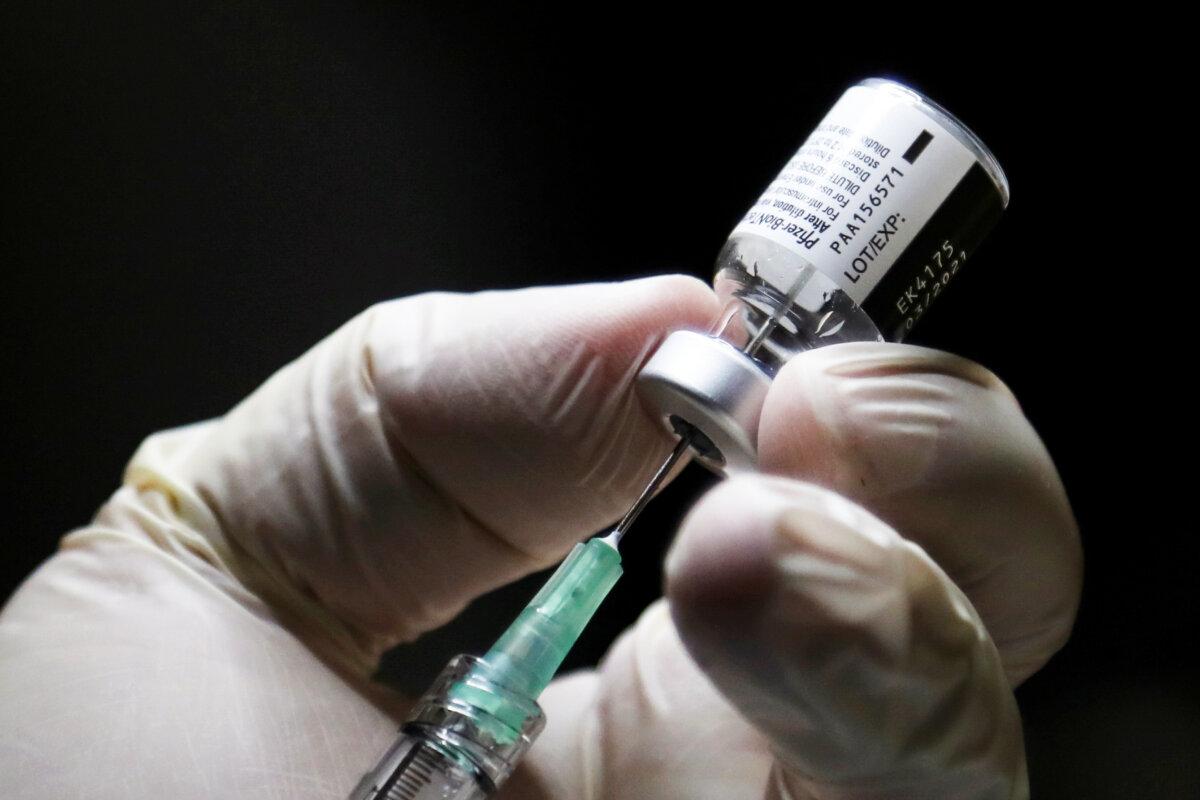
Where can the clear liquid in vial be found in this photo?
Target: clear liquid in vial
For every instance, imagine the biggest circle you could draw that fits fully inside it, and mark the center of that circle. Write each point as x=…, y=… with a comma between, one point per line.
x=776, y=304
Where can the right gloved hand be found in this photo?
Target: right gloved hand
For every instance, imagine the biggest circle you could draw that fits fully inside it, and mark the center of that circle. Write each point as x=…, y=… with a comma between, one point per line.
x=861, y=653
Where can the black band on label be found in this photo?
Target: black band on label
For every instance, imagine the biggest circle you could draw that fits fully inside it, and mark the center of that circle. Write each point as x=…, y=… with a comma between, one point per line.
x=917, y=147
x=930, y=261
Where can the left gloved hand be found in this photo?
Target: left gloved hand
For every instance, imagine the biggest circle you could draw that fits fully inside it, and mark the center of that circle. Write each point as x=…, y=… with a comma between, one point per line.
x=211, y=633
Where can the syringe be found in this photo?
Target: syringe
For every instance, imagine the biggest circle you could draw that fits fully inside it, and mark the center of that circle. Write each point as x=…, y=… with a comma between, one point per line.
x=469, y=730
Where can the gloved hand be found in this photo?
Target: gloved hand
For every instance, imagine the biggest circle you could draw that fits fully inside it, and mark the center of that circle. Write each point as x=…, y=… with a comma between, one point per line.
x=211, y=633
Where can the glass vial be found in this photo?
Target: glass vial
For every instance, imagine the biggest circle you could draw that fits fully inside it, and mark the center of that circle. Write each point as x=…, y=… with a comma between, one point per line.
x=855, y=238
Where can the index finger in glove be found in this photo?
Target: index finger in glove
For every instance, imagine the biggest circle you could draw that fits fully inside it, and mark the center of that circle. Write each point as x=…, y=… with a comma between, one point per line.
x=431, y=449
x=938, y=447
x=845, y=645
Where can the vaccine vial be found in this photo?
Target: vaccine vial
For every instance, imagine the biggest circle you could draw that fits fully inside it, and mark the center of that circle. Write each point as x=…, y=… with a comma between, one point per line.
x=862, y=230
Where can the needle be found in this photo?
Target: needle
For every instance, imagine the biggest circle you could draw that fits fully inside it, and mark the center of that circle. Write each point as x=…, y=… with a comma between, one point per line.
x=614, y=538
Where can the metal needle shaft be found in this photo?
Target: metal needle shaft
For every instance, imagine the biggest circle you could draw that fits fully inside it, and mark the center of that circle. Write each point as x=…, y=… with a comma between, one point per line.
x=614, y=537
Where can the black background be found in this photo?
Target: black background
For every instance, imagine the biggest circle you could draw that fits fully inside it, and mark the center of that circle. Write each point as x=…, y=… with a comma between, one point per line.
x=192, y=195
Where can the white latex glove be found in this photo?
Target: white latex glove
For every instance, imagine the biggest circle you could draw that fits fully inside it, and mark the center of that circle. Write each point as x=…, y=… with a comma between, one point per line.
x=210, y=634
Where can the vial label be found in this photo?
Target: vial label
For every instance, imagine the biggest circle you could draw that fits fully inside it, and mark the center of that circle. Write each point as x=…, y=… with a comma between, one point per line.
x=875, y=177
x=935, y=256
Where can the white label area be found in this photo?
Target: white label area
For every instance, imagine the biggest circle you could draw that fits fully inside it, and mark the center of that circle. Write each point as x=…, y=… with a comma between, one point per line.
x=859, y=190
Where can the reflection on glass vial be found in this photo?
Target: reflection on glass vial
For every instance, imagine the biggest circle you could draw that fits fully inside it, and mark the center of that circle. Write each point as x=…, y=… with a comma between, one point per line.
x=856, y=237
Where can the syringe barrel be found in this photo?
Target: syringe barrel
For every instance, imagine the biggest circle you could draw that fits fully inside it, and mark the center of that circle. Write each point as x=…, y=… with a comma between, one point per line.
x=414, y=768
x=453, y=749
